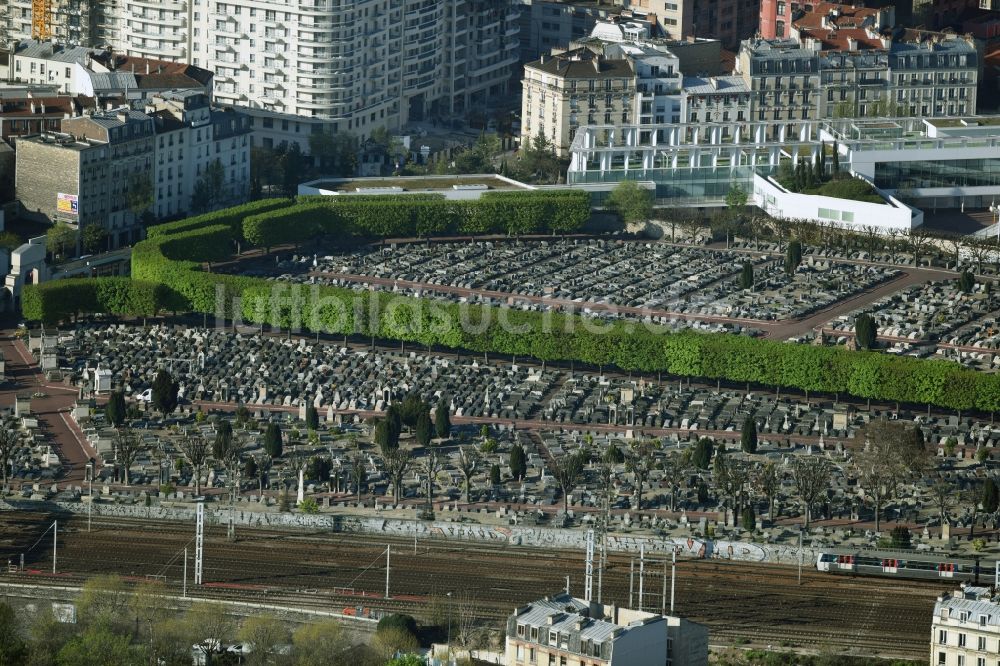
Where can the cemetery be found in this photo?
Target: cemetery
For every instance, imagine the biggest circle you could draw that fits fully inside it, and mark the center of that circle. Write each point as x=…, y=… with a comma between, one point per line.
x=935, y=319
x=641, y=469
x=653, y=278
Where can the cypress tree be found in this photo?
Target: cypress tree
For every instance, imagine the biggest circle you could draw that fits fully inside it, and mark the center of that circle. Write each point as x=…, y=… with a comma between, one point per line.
x=748, y=438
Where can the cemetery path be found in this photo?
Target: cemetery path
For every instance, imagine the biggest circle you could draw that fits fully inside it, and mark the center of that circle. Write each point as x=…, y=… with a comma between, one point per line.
x=51, y=410
x=561, y=303
x=793, y=328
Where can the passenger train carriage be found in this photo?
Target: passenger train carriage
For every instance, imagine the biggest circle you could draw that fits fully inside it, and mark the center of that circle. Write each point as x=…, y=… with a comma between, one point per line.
x=899, y=564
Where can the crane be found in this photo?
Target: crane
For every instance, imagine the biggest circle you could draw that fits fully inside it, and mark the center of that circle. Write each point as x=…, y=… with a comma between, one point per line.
x=41, y=19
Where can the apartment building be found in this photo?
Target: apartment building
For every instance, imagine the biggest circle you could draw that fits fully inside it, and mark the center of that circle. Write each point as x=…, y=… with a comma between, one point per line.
x=31, y=114
x=726, y=20
x=934, y=75
x=579, y=87
x=191, y=137
x=779, y=17
x=549, y=24
x=82, y=175
x=965, y=629
x=73, y=22
x=565, y=630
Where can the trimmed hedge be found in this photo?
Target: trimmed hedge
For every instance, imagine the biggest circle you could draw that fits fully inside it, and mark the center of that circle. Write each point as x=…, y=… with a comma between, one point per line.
x=171, y=261
x=59, y=300
x=232, y=217
x=405, y=216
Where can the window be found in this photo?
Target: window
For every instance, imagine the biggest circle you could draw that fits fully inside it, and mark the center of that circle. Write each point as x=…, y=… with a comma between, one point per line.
x=781, y=9
x=981, y=643
x=961, y=640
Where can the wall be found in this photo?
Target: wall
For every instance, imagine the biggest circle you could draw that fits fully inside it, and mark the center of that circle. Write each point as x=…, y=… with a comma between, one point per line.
x=778, y=202
x=515, y=535
x=44, y=170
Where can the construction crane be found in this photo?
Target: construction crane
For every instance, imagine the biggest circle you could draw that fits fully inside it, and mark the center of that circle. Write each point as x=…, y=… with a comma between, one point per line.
x=41, y=20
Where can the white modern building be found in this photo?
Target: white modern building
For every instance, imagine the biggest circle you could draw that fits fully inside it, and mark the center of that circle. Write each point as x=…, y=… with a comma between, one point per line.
x=565, y=630
x=940, y=162
x=965, y=628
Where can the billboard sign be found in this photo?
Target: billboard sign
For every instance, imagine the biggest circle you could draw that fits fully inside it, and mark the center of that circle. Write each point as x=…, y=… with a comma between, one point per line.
x=68, y=204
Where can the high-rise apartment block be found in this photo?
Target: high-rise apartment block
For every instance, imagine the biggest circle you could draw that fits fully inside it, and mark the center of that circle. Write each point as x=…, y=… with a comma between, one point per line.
x=342, y=65
x=726, y=20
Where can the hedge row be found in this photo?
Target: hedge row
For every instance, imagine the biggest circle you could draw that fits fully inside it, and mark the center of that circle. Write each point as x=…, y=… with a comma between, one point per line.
x=173, y=259
x=405, y=216
x=231, y=217
x=60, y=300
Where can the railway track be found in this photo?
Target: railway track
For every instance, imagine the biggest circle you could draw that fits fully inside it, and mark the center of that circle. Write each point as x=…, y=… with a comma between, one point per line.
x=740, y=602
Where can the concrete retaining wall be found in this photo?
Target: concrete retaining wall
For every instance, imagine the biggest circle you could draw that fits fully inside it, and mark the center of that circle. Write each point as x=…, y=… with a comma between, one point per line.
x=532, y=537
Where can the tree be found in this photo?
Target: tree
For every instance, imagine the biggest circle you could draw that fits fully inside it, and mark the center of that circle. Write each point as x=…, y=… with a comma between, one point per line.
x=991, y=497
x=321, y=644
x=899, y=537
x=150, y=613
x=391, y=641
x=878, y=479
x=971, y=497
x=865, y=331
x=736, y=202
x=767, y=480
x=675, y=467
x=59, y=237
x=537, y=162
x=633, y=203
x=495, y=479
x=127, y=447
x=396, y=463
x=10, y=241
x=793, y=256
x=731, y=478
x=139, y=196
x=261, y=465
x=209, y=627
x=900, y=441
x=223, y=444
x=94, y=238
x=386, y=437
x=702, y=453
x=749, y=519
x=104, y=601
x=517, y=461
x=746, y=276
x=479, y=157
x=116, y=409
x=468, y=463
x=312, y=418
x=9, y=443
x=748, y=436
x=812, y=480
x=164, y=393
x=567, y=473
x=272, y=440
x=423, y=428
x=966, y=281
x=359, y=475
x=430, y=465
x=411, y=409
x=209, y=187
x=195, y=449
x=265, y=635
x=337, y=153
x=943, y=493
x=442, y=420
x=639, y=463
x=13, y=649
x=99, y=646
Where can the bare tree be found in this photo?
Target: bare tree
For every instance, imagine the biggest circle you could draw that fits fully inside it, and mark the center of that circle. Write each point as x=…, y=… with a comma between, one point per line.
x=430, y=465
x=900, y=441
x=195, y=448
x=466, y=626
x=878, y=477
x=639, y=463
x=812, y=481
x=943, y=493
x=971, y=496
x=264, y=463
x=919, y=242
x=468, y=462
x=359, y=475
x=9, y=443
x=732, y=477
x=675, y=467
x=767, y=480
x=567, y=473
x=127, y=447
x=396, y=463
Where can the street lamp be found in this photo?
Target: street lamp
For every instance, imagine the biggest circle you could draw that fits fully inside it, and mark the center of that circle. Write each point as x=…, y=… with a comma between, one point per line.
x=449, y=625
x=995, y=210
x=90, y=486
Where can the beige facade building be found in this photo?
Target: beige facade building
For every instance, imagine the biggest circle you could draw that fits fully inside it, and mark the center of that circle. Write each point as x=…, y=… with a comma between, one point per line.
x=578, y=87
x=965, y=629
x=82, y=175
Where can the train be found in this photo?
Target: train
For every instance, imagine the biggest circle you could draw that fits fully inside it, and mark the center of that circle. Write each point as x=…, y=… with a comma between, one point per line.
x=906, y=564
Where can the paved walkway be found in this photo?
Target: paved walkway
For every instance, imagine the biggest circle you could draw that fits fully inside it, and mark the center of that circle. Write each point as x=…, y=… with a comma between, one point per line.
x=25, y=378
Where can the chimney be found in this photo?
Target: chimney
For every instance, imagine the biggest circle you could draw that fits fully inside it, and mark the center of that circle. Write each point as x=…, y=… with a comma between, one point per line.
x=852, y=44
x=32, y=108
x=542, y=59
x=147, y=67
x=43, y=106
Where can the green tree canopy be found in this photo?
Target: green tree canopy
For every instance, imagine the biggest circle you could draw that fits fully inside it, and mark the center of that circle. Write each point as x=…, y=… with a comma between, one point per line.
x=632, y=202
